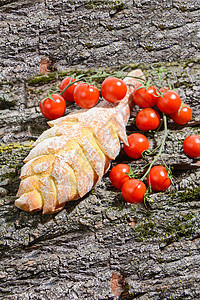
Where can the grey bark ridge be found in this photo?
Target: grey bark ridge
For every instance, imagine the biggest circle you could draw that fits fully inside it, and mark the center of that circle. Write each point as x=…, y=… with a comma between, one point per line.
x=98, y=247
x=95, y=33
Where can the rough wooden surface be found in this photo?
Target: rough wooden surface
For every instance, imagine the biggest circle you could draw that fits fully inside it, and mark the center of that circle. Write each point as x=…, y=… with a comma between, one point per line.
x=98, y=247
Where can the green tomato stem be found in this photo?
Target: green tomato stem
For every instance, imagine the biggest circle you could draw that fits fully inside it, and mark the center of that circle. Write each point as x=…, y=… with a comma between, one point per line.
x=69, y=84
x=161, y=148
x=49, y=96
x=82, y=80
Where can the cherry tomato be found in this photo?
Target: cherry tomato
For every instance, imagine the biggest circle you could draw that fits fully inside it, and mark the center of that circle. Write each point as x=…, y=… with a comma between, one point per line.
x=53, y=108
x=133, y=191
x=145, y=97
x=68, y=93
x=158, y=178
x=147, y=119
x=191, y=146
x=183, y=115
x=118, y=175
x=113, y=89
x=169, y=102
x=85, y=95
x=137, y=144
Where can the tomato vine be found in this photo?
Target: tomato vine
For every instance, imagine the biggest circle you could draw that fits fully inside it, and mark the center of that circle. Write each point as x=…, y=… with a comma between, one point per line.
x=154, y=101
x=166, y=103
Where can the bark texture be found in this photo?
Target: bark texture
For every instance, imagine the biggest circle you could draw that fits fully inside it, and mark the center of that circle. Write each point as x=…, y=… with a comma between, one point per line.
x=98, y=247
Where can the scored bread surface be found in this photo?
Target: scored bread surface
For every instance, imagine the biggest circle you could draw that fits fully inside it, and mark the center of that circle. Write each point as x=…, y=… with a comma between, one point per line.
x=70, y=158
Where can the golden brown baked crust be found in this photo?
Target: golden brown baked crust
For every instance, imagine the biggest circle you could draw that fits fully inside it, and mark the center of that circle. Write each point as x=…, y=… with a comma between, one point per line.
x=71, y=157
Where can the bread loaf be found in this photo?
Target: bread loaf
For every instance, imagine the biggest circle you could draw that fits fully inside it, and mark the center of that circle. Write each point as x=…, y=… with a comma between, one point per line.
x=70, y=158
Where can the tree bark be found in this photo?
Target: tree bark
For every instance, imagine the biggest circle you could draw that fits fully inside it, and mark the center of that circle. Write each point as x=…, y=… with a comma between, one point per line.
x=98, y=247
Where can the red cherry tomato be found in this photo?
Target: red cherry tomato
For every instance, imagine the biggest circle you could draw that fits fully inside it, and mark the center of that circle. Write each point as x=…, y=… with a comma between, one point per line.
x=147, y=119
x=68, y=93
x=53, y=108
x=183, y=115
x=113, y=89
x=85, y=95
x=133, y=191
x=191, y=146
x=145, y=97
x=169, y=102
x=118, y=175
x=158, y=178
x=137, y=144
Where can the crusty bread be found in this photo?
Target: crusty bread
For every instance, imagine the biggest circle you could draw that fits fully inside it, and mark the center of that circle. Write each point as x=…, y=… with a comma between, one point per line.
x=71, y=157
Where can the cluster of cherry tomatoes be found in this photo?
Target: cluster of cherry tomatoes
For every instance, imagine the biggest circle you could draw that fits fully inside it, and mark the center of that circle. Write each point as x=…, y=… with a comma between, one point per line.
x=83, y=94
x=153, y=102
x=157, y=177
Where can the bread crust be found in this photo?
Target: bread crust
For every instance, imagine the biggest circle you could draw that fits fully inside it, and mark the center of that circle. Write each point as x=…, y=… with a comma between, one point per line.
x=69, y=159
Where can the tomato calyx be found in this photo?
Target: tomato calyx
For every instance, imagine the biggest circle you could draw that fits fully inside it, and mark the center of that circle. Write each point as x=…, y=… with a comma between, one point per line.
x=147, y=85
x=73, y=79
x=133, y=174
x=49, y=96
